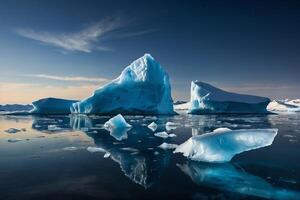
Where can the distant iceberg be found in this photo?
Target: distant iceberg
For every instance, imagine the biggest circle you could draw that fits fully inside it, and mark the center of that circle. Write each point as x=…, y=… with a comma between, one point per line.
x=206, y=98
x=222, y=144
x=52, y=106
x=142, y=88
x=286, y=106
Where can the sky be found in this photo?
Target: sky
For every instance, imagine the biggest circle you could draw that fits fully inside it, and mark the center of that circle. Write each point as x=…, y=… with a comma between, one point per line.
x=67, y=49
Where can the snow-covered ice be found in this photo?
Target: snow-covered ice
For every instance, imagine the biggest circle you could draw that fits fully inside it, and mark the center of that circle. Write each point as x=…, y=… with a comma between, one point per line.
x=206, y=98
x=222, y=144
x=164, y=134
x=168, y=146
x=288, y=106
x=52, y=106
x=152, y=126
x=142, y=88
x=116, y=122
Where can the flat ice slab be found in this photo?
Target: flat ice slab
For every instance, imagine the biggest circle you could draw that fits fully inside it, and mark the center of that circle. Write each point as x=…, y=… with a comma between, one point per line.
x=206, y=98
x=222, y=144
x=142, y=88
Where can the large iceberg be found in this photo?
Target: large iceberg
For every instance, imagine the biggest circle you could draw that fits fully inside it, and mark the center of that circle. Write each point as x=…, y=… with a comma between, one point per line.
x=142, y=88
x=52, y=106
x=222, y=144
x=206, y=98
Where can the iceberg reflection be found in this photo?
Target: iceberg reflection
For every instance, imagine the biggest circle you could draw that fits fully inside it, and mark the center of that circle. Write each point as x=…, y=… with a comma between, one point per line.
x=230, y=178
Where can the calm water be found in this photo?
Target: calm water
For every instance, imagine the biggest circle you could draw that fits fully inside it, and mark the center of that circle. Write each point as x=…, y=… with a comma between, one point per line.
x=51, y=161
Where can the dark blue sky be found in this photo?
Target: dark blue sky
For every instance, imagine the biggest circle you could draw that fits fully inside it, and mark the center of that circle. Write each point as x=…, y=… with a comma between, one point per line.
x=243, y=46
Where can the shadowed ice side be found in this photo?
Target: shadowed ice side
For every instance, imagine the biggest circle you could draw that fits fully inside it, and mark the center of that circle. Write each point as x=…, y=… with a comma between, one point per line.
x=228, y=177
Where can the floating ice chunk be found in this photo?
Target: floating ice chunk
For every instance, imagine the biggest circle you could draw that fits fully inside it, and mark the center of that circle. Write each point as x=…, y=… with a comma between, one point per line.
x=70, y=148
x=152, y=126
x=168, y=146
x=206, y=98
x=52, y=106
x=53, y=127
x=95, y=149
x=171, y=126
x=142, y=88
x=14, y=140
x=222, y=145
x=117, y=121
x=106, y=155
x=164, y=134
x=12, y=130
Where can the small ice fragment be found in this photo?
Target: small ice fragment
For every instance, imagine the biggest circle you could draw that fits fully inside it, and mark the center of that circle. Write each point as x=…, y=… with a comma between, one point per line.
x=168, y=146
x=163, y=134
x=222, y=145
x=152, y=126
x=156, y=153
x=171, y=126
x=95, y=149
x=14, y=140
x=53, y=127
x=117, y=121
x=172, y=135
x=106, y=155
x=12, y=130
x=70, y=148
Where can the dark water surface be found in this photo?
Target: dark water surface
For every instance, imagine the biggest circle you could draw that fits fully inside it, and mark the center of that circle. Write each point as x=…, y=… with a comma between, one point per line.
x=51, y=161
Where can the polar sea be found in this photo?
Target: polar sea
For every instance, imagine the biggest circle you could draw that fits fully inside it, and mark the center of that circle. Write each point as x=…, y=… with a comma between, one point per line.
x=46, y=157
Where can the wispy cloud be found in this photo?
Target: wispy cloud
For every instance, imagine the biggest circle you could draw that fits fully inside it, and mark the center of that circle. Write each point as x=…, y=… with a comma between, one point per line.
x=70, y=78
x=85, y=40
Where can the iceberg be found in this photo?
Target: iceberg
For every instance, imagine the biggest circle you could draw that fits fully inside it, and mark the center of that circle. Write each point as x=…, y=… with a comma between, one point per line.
x=222, y=144
x=206, y=98
x=52, y=106
x=142, y=88
x=278, y=106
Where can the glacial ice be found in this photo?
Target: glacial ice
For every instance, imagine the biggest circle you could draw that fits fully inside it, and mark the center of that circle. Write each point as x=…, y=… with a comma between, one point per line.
x=171, y=126
x=142, y=88
x=164, y=134
x=222, y=144
x=166, y=146
x=118, y=127
x=95, y=149
x=152, y=126
x=206, y=98
x=117, y=121
x=288, y=106
x=52, y=106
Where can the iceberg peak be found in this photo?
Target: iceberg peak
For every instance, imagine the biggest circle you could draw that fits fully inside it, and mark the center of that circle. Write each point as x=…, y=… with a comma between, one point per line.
x=142, y=88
